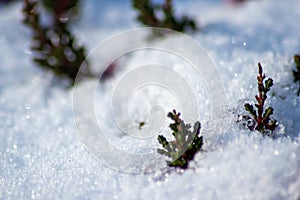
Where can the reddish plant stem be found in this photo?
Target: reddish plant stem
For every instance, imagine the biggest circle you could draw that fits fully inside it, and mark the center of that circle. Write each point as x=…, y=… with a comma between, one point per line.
x=261, y=97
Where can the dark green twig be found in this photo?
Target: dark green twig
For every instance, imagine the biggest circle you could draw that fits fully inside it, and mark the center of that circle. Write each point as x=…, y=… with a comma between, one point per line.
x=54, y=46
x=185, y=145
x=259, y=115
x=148, y=15
x=296, y=72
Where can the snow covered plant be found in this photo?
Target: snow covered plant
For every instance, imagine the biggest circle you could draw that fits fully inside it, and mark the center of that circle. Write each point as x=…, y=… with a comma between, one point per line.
x=53, y=44
x=185, y=145
x=261, y=117
x=296, y=72
x=162, y=15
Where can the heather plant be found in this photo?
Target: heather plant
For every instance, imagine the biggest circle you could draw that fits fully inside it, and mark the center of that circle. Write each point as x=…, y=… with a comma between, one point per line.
x=186, y=144
x=257, y=113
x=54, y=47
x=6, y=1
x=162, y=15
x=296, y=72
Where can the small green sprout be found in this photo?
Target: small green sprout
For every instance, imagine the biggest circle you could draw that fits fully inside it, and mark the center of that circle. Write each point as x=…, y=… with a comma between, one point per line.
x=53, y=45
x=149, y=15
x=185, y=145
x=261, y=117
x=296, y=72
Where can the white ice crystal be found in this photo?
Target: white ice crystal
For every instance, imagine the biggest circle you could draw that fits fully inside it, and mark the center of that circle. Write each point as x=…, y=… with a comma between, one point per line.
x=42, y=157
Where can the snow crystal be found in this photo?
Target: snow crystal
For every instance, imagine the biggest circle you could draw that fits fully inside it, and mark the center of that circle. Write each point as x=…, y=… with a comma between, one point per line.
x=42, y=156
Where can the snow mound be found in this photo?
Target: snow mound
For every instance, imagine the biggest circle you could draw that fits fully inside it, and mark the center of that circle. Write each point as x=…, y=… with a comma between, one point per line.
x=42, y=156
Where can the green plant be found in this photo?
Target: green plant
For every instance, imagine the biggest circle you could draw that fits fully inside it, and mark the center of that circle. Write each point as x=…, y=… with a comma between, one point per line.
x=60, y=7
x=263, y=122
x=296, y=72
x=6, y=1
x=53, y=45
x=148, y=14
x=185, y=145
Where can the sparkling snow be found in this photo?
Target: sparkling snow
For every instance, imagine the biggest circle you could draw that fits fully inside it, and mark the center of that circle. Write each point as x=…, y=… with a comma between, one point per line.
x=41, y=154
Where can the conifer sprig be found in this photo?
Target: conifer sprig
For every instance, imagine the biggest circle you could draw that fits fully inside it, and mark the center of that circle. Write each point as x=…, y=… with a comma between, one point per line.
x=53, y=45
x=6, y=1
x=148, y=14
x=261, y=117
x=185, y=145
x=296, y=72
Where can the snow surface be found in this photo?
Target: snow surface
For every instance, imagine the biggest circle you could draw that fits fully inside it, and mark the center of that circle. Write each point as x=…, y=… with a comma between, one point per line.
x=42, y=156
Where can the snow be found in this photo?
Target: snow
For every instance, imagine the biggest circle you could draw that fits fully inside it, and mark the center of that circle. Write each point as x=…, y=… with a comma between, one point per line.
x=43, y=154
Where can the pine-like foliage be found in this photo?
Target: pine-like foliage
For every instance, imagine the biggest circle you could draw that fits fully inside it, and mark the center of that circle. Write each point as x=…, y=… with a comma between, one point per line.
x=296, y=72
x=53, y=45
x=148, y=14
x=6, y=1
x=263, y=122
x=185, y=145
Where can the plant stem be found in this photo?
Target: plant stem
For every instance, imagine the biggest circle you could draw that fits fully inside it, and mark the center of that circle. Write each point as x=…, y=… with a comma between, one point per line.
x=261, y=96
x=168, y=5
